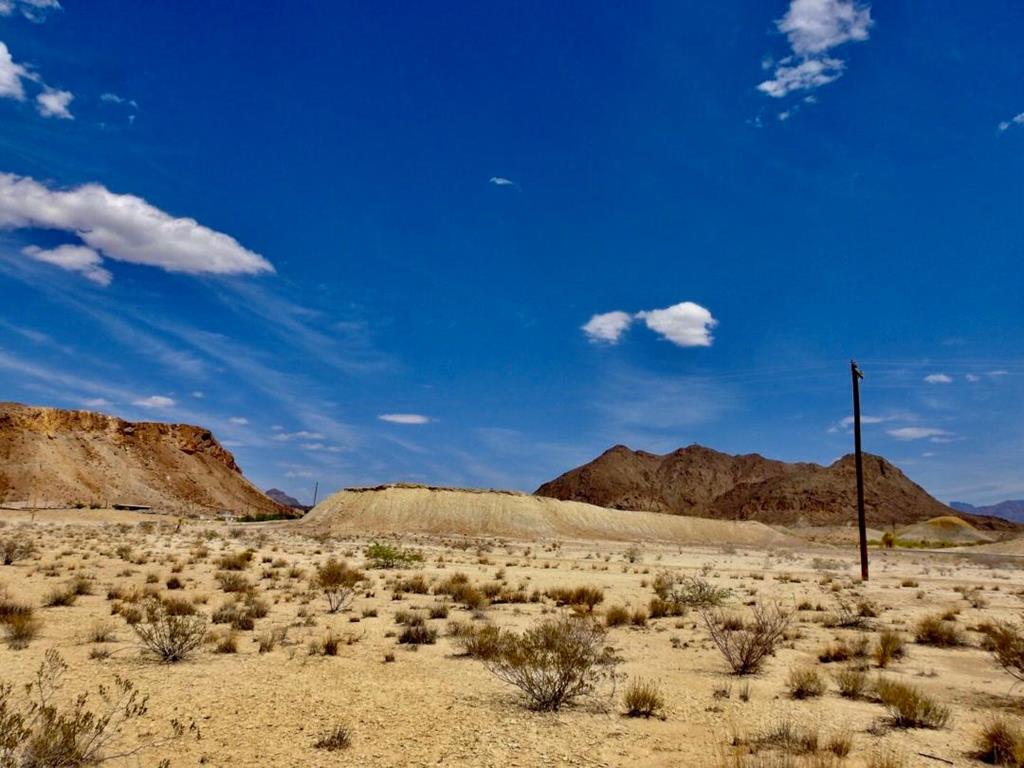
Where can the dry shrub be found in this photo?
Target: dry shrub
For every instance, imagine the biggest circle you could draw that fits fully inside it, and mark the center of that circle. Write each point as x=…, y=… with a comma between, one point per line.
x=935, y=630
x=643, y=698
x=1000, y=742
x=616, y=616
x=228, y=643
x=844, y=650
x=554, y=662
x=230, y=581
x=238, y=561
x=15, y=548
x=100, y=632
x=805, y=683
x=171, y=638
x=20, y=629
x=458, y=588
x=1005, y=641
x=888, y=647
x=416, y=632
x=745, y=647
x=60, y=597
x=683, y=592
x=338, y=582
x=36, y=733
x=887, y=759
x=268, y=641
x=586, y=597
x=417, y=585
x=852, y=683
x=480, y=642
x=909, y=706
x=784, y=736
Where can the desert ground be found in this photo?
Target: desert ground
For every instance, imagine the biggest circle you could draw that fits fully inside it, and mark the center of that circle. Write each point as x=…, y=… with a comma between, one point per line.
x=271, y=697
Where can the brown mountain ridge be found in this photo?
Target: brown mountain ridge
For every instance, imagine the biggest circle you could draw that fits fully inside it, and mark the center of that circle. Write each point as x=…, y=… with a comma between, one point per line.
x=56, y=457
x=704, y=482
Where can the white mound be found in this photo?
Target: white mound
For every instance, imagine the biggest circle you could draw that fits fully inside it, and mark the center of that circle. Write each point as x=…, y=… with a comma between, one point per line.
x=427, y=510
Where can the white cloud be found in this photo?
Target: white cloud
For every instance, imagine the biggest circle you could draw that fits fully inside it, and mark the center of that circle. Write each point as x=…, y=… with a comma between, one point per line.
x=1015, y=120
x=113, y=98
x=54, y=103
x=74, y=258
x=124, y=228
x=916, y=433
x=95, y=402
x=813, y=28
x=685, y=324
x=812, y=73
x=198, y=395
x=11, y=74
x=501, y=181
x=240, y=420
x=938, y=378
x=154, y=401
x=608, y=327
x=994, y=374
x=33, y=10
x=972, y=377
x=404, y=418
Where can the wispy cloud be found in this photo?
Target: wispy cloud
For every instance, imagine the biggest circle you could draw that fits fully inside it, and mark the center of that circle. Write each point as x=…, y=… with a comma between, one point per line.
x=239, y=420
x=33, y=10
x=813, y=28
x=918, y=433
x=501, y=181
x=1006, y=125
x=124, y=228
x=938, y=378
x=404, y=418
x=686, y=325
x=154, y=401
x=74, y=258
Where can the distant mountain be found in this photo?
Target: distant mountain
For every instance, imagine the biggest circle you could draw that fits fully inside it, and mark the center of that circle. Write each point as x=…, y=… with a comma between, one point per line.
x=283, y=498
x=54, y=457
x=703, y=482
x=1012, y=509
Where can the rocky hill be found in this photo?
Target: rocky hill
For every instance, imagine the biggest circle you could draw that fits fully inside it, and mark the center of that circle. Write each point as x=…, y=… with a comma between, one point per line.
x=54, y=457
x=704, y=482
x=1011, y=509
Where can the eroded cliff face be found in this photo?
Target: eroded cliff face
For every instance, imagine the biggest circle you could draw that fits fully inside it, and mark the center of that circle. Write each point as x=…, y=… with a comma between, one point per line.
x=56, y=456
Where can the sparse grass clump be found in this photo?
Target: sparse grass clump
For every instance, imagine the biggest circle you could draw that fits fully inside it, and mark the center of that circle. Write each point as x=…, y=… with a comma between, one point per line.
x=339, y=737
x=554, y=662
x=584, y=597
x=805, y=683
x=478, y=641
x=232, y=582
x=852, y=683
x=416, y=632
x=20, y=629
x=909, y=706
x=746, y=645
x=1000, y=742
x=643, y=698
x=616, y=616
x=237, y=561
x=939, y=632
x=60, y=597
x=888, y=647
x=676, y=594
x=15, y=548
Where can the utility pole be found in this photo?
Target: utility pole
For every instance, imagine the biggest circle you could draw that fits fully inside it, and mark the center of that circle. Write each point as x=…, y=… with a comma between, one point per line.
x=316, y=489
x=856, y=375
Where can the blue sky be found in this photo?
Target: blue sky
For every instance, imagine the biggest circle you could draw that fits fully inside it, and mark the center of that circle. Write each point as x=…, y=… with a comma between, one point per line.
x=477, y=244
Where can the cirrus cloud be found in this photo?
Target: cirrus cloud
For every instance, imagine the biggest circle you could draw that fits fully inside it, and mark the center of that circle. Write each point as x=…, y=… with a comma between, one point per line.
x=685, y=324
x=154, y=401
x=124, y=228
x=917, y=433
x=938, y=378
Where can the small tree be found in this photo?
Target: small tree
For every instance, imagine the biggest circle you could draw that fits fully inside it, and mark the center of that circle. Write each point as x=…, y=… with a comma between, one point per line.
x=388, y=556
x=338, y=583
x=554, y=662
x=745, y=646
x=683, y=592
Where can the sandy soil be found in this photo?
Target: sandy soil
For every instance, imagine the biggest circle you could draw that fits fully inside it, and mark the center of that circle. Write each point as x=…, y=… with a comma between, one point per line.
x=431, y=706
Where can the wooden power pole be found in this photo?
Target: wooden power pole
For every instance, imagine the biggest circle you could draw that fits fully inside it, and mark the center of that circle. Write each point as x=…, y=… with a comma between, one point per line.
x=316, y=491
x=856, y=376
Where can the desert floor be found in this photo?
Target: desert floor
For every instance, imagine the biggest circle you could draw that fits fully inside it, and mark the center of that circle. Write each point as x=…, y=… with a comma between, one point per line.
x=432, y=705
